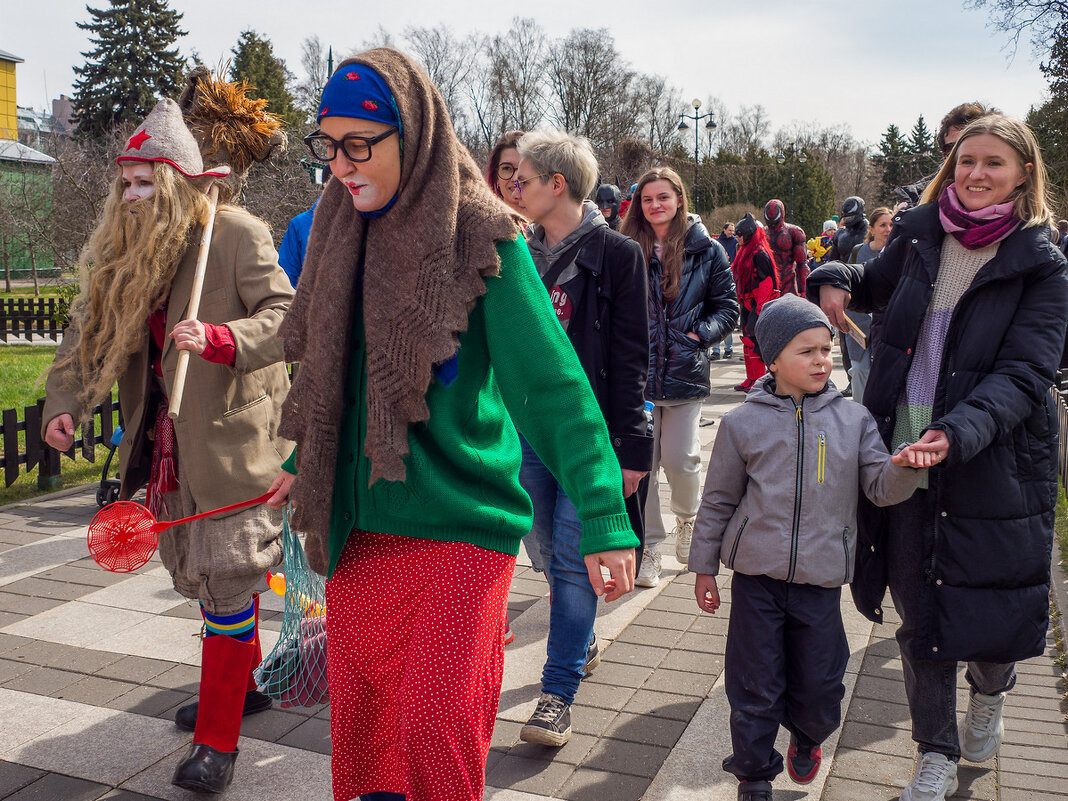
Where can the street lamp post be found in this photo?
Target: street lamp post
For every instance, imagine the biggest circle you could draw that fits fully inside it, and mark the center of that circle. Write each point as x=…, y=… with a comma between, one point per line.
x=796, y=155
x=710, y=125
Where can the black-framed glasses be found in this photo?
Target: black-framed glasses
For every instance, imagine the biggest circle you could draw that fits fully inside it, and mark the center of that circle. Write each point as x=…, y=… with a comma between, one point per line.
x=947, y=148
x=356, y=148
x=505, y=170
x=517, y=185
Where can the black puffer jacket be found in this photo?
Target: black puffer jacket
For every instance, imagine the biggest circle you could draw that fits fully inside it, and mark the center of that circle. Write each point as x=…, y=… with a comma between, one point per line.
x=706, y=305
x=988, y=578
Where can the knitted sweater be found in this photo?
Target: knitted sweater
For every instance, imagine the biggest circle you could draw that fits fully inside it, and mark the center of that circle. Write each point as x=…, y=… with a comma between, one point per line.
x=956, y=270
x=462, y=478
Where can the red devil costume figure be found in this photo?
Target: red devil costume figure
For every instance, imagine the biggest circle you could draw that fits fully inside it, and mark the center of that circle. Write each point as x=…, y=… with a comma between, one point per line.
x=757, y=283
x=788, y=248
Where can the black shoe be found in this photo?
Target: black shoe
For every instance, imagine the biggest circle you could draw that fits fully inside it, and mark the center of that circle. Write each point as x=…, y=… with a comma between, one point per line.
x=848, y=391
x=255, y=701
x=550, y=724
x=205, y=770
x=714, y=356
x=593, y=659
x=802, y=762
x=754, y=791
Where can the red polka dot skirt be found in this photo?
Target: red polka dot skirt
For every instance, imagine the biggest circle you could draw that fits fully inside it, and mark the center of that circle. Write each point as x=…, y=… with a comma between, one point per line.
x=416, y=633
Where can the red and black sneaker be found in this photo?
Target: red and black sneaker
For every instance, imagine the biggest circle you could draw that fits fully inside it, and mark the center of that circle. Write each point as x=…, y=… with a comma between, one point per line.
x=745, y=386
x=803, y=762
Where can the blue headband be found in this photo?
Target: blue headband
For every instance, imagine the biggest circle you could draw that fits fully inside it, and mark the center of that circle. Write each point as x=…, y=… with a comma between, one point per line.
x=358, y=91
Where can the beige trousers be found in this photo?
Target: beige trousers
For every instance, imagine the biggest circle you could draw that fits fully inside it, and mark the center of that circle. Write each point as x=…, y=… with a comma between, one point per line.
x=676, y=448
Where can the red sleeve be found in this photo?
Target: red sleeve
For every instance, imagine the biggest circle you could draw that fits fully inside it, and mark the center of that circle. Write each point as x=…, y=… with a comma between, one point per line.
x=764, y=292
x=221, y=347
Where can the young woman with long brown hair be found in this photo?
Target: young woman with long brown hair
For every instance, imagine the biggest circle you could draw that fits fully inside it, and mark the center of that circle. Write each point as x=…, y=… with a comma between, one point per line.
x=692, y=306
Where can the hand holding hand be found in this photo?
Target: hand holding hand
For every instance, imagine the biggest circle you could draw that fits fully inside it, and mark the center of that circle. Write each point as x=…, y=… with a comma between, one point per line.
x=631, y=479
x=834, y=301
x=620, y=566
x=189, y=335
x=707, y=593
x=280, y=487
x=932, y=448
x=59, y=433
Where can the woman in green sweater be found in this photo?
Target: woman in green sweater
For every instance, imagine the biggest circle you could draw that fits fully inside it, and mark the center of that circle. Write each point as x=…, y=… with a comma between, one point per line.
x=422, y=332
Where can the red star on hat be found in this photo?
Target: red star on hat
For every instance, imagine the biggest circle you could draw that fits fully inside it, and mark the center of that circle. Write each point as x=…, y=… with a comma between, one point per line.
x=137, y=140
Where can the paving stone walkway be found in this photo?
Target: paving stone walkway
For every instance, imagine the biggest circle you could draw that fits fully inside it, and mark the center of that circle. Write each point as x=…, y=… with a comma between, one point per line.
x=94, y=664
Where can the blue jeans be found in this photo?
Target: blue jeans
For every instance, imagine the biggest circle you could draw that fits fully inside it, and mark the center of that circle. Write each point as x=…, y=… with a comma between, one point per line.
x=558, y=534
x=728, y=346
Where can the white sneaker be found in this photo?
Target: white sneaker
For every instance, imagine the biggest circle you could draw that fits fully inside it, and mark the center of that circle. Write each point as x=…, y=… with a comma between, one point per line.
x=649, y=572
x=935, y=779
x=683, y=538
x=983, y=727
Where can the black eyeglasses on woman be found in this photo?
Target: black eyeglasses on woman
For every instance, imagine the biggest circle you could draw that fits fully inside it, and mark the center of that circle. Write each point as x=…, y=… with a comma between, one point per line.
x=356, y=148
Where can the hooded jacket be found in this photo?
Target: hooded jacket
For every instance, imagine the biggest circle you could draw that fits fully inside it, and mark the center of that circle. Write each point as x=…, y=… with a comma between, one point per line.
x=602, y=292
x=991, y=525
x=706, y=305
x=780, y=498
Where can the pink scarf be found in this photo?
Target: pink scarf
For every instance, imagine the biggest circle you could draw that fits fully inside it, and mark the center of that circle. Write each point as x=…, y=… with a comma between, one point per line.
x=975, y=229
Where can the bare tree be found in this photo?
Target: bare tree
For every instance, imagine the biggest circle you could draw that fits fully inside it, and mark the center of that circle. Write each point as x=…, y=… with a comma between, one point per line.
x=1039, y=19
x=588, y=85
x=449, y=62
x=659, y=105
x=516, y=74
x=313, y=59
x=748, y=131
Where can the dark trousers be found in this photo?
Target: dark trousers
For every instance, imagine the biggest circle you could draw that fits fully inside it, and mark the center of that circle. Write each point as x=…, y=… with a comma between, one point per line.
x=786, y=656
x=930, y=684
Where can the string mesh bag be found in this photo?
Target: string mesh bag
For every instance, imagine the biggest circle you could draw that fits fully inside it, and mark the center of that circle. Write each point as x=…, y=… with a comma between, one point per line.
x=294, y=672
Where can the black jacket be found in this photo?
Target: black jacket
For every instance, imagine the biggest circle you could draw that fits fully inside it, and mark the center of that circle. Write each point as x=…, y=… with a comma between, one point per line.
x=991, y=533
x=609, y=335
x=706, y=305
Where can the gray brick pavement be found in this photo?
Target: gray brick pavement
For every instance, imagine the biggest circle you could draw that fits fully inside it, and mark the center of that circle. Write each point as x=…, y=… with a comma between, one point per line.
x=89, y=717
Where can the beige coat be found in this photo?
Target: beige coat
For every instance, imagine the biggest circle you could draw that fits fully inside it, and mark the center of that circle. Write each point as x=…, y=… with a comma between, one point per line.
x=227, y=431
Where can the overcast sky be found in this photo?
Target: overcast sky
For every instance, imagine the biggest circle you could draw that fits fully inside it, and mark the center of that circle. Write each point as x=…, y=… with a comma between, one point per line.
x=865, y=64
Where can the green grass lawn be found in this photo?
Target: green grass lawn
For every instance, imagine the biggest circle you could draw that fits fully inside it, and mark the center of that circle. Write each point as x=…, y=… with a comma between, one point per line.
x=1060, y=526
x=20, y=368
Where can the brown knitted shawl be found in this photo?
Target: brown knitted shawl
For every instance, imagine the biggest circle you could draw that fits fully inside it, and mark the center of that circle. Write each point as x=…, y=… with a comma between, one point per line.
x=424, y=266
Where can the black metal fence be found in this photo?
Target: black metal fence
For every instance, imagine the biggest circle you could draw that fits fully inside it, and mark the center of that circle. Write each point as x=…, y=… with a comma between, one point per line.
x=23, y=317
x=37, y=453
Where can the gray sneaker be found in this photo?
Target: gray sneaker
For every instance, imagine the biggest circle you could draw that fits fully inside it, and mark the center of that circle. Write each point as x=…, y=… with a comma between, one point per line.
x=649, y=572
x=593, y=659
x=983, y=727
x=935, y=779
x=683, y=538
x=550, y=724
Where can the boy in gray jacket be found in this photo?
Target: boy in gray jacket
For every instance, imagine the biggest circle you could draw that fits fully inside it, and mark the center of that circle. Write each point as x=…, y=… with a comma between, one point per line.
x=779, y=509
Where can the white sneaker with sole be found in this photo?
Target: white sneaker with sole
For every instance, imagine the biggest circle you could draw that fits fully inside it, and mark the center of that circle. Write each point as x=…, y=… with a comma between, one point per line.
x=983, y=727
x=649, y=572
x=683, y=538
x=935, y=779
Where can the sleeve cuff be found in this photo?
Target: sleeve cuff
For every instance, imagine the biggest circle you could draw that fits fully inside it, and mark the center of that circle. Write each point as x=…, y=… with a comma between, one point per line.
x=221, y=347
x=290, y=464
x=609, y=533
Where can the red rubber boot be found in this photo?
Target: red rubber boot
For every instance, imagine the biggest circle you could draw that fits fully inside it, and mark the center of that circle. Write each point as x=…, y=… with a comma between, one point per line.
x=209, y=764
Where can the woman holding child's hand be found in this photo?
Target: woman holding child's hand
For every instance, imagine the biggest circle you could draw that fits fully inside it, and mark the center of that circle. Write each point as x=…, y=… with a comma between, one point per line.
x=975, y=301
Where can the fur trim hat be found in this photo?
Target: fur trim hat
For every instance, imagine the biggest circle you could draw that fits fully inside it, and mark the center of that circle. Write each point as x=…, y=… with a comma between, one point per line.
x=164, y=137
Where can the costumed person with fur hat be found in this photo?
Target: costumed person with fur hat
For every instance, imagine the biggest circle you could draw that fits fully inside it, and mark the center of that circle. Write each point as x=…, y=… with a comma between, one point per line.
x=788, y=248
x=423, y=331
x=757, y=283
x=128, y=326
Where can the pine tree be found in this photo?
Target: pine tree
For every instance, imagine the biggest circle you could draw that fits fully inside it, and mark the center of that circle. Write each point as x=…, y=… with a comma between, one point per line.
x=255, y=62
x=893, y=161
x=923, y=149
x=1050, y=122
x=133, y=63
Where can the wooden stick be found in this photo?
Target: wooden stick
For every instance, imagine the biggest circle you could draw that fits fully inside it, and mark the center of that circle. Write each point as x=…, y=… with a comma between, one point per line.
x=857, y=333
x=178, y=389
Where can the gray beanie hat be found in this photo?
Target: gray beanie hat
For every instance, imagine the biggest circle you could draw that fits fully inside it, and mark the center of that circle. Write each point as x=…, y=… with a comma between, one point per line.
x=163, y=136
x=783, y=319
